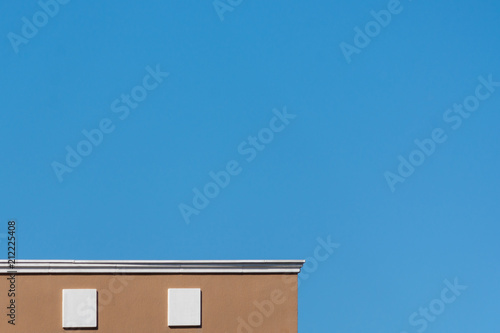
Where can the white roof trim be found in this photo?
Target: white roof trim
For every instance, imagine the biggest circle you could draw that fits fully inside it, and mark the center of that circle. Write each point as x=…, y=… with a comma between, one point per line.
x=152, y=266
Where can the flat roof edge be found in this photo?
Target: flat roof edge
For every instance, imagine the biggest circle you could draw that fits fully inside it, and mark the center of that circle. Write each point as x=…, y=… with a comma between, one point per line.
x=151, y=266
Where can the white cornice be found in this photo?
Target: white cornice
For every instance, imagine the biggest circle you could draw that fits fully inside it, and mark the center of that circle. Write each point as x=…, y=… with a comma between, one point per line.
x=152, y=266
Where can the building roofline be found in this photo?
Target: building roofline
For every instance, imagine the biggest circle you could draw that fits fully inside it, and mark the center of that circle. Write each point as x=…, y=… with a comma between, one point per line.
x=152, y=266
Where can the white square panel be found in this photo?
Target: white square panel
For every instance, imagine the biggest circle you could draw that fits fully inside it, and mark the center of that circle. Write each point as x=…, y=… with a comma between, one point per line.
x=184, y=307
x=79, y=308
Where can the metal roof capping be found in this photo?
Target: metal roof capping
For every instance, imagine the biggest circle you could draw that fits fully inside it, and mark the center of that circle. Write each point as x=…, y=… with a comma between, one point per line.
x=151, y=266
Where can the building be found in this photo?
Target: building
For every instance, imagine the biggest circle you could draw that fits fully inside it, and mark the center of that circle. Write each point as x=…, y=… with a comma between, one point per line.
x=213, y=296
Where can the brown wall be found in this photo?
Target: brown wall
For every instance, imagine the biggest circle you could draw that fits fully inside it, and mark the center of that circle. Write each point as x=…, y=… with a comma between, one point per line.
x=138, y=303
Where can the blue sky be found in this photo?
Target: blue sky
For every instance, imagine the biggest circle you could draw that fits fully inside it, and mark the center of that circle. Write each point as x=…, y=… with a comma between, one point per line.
x=331, y=170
